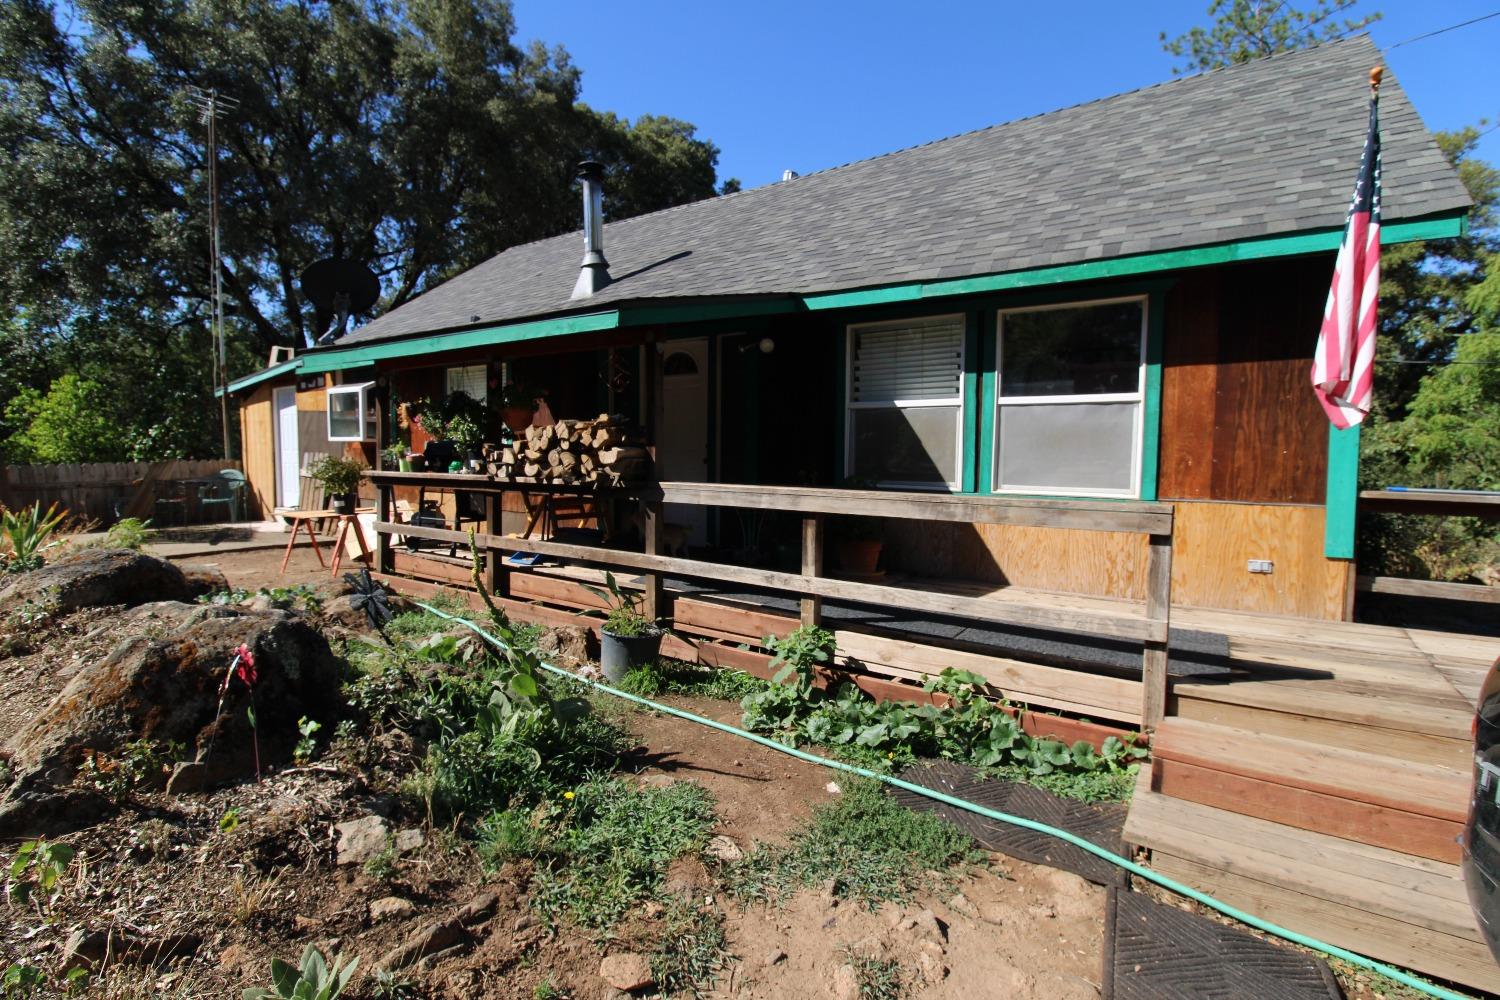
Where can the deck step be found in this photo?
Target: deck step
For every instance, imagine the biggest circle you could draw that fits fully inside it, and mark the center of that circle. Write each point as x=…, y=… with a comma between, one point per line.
x=1396, y=804
x=1400, y=908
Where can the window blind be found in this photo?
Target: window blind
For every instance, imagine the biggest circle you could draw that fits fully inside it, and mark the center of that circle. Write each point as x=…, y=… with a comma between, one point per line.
x=472, y=380
x=915, y=360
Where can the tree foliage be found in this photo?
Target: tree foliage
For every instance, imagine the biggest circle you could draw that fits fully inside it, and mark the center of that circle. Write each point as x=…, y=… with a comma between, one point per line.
x=1243, y=30
x=415, y=136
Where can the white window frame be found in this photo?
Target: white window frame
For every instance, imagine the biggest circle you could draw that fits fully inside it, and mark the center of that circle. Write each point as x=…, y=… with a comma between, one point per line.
x=956, y=483
x=448, y=380
x=361, y=390
x=1138, y=397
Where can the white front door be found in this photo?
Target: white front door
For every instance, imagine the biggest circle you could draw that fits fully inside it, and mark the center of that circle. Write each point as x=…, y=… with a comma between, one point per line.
x=682, y=428
x=288, y=461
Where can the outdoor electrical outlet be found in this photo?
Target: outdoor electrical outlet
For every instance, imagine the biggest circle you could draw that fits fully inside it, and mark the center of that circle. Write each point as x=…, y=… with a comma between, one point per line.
x=1260, y=566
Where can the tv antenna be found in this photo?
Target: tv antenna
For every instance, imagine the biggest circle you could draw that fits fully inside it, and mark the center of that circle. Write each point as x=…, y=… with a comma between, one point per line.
x=211, y=104
x=337, y=288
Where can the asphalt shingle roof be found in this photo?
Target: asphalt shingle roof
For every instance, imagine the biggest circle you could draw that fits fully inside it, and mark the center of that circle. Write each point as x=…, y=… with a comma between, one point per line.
x=1266, y=148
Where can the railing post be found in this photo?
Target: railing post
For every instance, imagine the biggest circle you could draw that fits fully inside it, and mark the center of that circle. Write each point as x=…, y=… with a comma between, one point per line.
x=384, y=562
x=655, y=595
x=812, y=565
x=1158, y=609
x=496, y=579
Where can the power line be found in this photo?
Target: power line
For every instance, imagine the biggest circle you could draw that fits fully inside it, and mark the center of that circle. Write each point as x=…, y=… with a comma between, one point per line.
x=1440, y=31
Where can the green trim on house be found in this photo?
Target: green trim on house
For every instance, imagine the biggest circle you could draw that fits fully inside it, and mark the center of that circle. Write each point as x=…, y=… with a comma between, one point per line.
x=239, y=384
x=1429, y=228
x=989, y=321
x=1156, y=325
x=968, y=478
x=705, y=312
x=1343, y=492
x=337, y=358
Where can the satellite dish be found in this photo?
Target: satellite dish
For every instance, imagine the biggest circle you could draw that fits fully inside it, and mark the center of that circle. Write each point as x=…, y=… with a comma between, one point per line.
x=338, y=288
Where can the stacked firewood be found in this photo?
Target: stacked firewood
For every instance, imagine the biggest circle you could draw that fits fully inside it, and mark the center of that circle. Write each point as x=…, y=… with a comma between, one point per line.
x=603, y=450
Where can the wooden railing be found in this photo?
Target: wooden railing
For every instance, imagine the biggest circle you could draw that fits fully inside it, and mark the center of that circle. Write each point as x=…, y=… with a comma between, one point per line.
x=1151, y=628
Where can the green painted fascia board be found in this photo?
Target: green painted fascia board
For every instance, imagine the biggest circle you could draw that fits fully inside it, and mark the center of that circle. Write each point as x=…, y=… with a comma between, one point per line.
x=1428, y=228
x=336, y=358
x=240, y=384
x=1156, y=324
x=1343, y=492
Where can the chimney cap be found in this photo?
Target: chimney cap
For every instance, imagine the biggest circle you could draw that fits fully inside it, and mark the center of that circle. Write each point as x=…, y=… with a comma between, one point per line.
x=590, y=170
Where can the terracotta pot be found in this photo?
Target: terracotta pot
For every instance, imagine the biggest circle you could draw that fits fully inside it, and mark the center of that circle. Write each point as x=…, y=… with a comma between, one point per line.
x=858, y=556
x=517, y=418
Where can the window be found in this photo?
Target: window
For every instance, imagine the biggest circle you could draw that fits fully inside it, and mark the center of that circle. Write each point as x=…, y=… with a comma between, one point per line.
x=351, y=412
x=906, y=402
x=472, y=380
x=1069, y=399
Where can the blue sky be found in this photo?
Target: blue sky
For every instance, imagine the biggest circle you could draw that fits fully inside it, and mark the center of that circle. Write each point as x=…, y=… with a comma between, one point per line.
x=812, y=84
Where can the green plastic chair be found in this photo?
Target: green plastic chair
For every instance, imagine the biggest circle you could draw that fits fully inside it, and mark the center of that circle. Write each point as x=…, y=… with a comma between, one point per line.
x=229, y=493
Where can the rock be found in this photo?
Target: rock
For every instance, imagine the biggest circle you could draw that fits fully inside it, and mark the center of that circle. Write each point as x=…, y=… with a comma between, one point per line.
x=203, y=578
x=829, y=892
x=845, y=984
x=478, y=908
x=994, y=912
x=235, y=956
x=628, y=971
x=427, y=940
x=567, y=646
x=165, y=689
x=35, y=809
x=305, y=925
x=94, y=578
x=361, y=840
x=524, y=921
x=832, y=788
x=188, y=777
x=775, y=957
x=408, y=840
x=722, y=848
x=960, y=904
x=931, y=967
x=927, y=925
x=390, y=908
x=342, y=610
x=87, y=948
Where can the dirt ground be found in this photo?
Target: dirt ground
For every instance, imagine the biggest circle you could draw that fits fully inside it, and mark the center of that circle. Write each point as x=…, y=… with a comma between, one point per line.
x=167, y=869
x=257, y=568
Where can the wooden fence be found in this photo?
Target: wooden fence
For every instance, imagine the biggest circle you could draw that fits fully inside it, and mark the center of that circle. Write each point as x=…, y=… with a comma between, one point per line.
x=101, y=491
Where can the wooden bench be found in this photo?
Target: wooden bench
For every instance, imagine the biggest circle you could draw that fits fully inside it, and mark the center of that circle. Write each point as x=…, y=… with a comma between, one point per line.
x=1371, y=799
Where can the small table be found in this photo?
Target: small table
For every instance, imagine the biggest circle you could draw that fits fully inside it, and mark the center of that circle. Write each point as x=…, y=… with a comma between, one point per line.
x=306, y=519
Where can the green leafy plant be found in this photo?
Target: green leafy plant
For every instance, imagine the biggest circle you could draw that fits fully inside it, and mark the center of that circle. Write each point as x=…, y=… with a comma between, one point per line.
x=36, y=873
x=459, y=418
x=624, y=617
x=230, y=821
x=128, y=533
x=382, y=867
x=693, y=951
x=509, y=834
x=338, y=475
x=392, y=456
x=878, y=978
x=140, y=762
x=21, y=982
x=307, y=743
x=313, y=979
x=25, y=535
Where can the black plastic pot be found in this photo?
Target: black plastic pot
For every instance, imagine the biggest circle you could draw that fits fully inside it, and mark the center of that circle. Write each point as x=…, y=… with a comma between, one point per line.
x=343, y=503
x=618, y=653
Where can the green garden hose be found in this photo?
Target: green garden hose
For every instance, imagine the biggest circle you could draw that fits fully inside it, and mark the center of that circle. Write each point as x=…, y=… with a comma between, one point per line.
x=1169, y=884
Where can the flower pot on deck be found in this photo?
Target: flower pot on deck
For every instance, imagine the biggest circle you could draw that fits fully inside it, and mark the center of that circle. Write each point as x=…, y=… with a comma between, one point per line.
x=517, y=418
x=618, y=653
x=343, y=503
x=857, y=556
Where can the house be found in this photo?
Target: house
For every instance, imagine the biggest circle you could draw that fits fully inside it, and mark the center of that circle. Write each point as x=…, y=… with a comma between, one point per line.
x=1115, y=300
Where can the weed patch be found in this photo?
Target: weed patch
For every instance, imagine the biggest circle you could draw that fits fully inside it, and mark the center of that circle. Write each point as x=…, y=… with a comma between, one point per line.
x=693, y=950
x=869, y=846
x=612, y=845
x=674, y=677
x=878, y=978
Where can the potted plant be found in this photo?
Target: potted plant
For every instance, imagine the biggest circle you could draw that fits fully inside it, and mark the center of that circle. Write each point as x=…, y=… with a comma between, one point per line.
x=628, y=639
x=857, y=541
x=457, y=427
x=394, y=458
x=340, y=479
x=517, y=406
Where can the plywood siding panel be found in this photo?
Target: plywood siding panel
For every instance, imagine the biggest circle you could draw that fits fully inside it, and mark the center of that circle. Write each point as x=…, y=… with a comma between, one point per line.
x=1212, y=544
x=1239, y=421
x=258, y=447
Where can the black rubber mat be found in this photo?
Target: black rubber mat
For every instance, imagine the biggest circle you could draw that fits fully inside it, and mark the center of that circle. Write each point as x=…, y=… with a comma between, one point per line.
x=1100, y=824
x=1157, y=952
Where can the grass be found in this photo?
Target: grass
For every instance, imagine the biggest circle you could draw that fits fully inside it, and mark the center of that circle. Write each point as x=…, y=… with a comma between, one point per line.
x=675, y=677
x=693, y=950
x=1091, y=786
x=879, y=978
x=870, y=847
x=611, y=845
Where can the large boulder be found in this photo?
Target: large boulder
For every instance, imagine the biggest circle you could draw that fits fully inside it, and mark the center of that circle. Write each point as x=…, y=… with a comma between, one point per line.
x=166, y=690
x=92, y=578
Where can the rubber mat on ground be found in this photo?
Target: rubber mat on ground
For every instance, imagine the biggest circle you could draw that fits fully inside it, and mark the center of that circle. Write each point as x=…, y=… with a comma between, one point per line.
x=1158, y=952
x=1100, y=824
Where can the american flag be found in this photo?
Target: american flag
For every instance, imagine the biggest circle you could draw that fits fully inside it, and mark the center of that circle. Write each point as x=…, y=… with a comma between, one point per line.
x=1343, y=370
